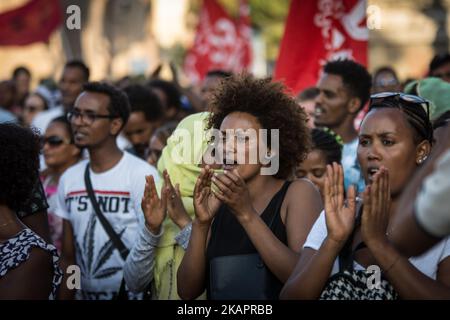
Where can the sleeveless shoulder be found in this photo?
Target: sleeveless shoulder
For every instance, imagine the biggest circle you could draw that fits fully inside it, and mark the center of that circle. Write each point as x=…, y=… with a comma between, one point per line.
x=17, y=250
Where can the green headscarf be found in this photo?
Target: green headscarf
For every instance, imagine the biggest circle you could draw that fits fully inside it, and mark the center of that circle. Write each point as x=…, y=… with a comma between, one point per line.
x=181, y=158
x=435, y=90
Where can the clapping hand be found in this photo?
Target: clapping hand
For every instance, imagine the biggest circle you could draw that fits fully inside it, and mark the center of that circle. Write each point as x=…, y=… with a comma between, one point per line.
x=340, y=214
x=206, y=203
x=153, y=207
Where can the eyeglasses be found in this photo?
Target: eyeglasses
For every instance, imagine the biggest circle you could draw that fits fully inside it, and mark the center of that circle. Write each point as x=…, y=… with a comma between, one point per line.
x=405, y=99
x=87, y=117
x=53, y=141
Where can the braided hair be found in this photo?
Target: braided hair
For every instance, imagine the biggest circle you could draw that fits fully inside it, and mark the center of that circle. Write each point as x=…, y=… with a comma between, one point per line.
x=327, y=141
x=415, y=114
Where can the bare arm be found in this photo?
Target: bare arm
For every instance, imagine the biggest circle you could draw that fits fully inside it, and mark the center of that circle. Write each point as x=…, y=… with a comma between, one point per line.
x=32, y=279
x=195, y=100
x=314, y=267
x=407, y=280
x=191, y=273
x=311, y=272
x=67, y=259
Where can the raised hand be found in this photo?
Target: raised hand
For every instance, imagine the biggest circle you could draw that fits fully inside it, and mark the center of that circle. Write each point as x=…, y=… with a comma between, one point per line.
x=153, y=207
x=173, y=69
x=175, y=207
x=206, y=203
x=233, y=191
x=377, y=201
x=340, y=214
x=156, y=72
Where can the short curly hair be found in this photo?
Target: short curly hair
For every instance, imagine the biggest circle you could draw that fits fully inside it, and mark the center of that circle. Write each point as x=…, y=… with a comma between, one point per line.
x=355, y=77
x=19, y=164
x=274, y=109
x=119, y=104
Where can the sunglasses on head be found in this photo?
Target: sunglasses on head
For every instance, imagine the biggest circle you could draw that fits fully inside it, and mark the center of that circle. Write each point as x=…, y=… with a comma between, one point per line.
x=53, y=141
x=402, y=98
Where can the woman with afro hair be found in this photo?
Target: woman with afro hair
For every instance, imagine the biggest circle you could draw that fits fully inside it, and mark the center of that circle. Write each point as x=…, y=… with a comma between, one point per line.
x=28, y=265
x=250, y=225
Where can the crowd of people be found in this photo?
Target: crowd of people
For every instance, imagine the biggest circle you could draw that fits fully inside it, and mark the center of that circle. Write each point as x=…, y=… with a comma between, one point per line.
x=151, y=190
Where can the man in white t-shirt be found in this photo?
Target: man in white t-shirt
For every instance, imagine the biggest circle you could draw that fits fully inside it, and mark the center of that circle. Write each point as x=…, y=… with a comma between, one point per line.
x=118, y=181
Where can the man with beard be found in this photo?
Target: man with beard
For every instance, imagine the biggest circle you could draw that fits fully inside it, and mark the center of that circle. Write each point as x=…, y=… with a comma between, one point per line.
x=344, y=89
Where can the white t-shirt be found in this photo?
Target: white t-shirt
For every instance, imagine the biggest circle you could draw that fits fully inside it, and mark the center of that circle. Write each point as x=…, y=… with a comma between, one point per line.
x=119, y=193
x=427, y=263
x=433, y=202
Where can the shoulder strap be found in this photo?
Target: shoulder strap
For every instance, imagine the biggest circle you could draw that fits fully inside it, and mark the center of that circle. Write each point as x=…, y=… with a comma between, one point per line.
x=118, y=243
x=280, y=197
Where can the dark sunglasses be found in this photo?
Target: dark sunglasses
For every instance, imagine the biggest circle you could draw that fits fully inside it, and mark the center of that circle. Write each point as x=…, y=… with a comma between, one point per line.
x=53, y=141
x=88, y=117
x=398, y=97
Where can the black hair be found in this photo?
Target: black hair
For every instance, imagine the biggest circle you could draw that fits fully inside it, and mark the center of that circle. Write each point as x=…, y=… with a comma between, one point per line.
x=386, y=69
x=438, y=61
x=308, y=94
x=266, y=101
x=164, y=132
x=416, y=116
x=218, y=73
x=172, y=93
x=19, y=164
x=63, y=120
x=21, y=69
x=142, y=99
x=327, y=143
x=80, y=65
x=442, y=120
x=118, y=101
x=355, y=77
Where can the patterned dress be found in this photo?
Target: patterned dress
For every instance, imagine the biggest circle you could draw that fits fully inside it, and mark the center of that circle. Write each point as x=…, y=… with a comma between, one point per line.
x=17, y=250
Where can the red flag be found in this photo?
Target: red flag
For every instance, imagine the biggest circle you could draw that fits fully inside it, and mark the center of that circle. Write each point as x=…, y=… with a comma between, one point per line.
x=33, y=22
x=220, y=42
x=317, y=31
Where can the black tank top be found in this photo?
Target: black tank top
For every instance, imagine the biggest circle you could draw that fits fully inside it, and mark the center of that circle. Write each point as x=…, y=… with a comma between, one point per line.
x=228, y=237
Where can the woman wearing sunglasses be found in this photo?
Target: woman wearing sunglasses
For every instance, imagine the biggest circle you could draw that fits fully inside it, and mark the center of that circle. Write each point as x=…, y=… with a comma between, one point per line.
x=60, y=153
x=394, y=140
